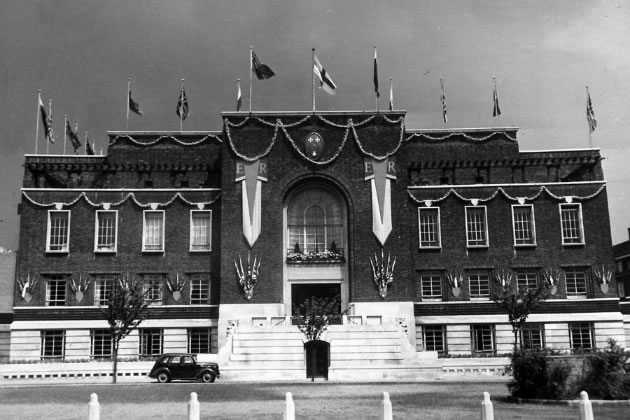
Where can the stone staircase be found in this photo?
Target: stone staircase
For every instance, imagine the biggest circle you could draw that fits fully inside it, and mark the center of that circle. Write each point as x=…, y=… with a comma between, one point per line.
x=357, y=352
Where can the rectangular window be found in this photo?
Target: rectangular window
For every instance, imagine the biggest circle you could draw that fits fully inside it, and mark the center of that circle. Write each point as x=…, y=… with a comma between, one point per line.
x=533, y=336
x=476, y=226
x=431, y=283
x=429, y=226
x=153, y=286
x=106, y=231
x=523, y=225
x=153, y=231
x=482, y=338
x=52, y=344
x=526, y=278
x=103, y=284
x=571, y=223
x=58, y=232
x=479, y=281
x=101, y=346
x=434, y=338
x=575, y=278
x=200, y=230
x=150, y=341
x=199, y=340
x=581, y=335
x=55, y=290
x=199, y=288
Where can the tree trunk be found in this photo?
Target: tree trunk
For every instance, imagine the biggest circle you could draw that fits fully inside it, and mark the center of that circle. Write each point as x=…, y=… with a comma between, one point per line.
x=115, y=361
x=515, y=339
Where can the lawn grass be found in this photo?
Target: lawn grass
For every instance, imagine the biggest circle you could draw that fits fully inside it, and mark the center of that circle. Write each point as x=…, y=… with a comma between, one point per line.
x=232, y=400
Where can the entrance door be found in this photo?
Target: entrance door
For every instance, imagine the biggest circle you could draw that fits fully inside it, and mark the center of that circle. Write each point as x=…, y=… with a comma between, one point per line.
x=300, y=292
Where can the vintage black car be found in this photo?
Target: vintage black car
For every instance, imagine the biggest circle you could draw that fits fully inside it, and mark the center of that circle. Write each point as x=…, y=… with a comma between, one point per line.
x=183, y=366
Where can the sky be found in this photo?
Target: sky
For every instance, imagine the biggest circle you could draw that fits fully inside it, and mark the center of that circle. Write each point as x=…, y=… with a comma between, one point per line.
x=542, y=53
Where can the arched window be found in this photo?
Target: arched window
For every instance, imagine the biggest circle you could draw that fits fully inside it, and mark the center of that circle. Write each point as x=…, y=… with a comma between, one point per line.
x=315, y=222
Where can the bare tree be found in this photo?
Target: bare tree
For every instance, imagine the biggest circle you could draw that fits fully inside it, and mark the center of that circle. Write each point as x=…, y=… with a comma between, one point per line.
x=126, y=308
x=316, y=313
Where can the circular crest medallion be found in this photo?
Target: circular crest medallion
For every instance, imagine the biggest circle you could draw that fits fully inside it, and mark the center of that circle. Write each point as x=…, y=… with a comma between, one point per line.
x=314, y=146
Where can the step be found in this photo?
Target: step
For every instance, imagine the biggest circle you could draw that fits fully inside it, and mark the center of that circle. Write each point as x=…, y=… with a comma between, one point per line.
x=262, y=335
x=361, y=342
x=365, y=356
x=336, y=349
x=241, y=342
x=266, y=357
x=266, y=365
x=268, y=350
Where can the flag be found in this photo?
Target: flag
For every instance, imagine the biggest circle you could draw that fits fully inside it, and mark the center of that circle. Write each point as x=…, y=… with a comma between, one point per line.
x=134, y=106
x=182, y=105
x=444, y=116
x=262, y=70
x=239, y=100
x=376, y=76
x=325, y=81
x=46, y=121
x=73, y=137
x=496, y=111
x=391, y=97
x=590, y=114
x=88, y=147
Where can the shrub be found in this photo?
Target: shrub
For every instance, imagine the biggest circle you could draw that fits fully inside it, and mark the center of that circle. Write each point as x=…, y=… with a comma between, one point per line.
x=536, y=376
x=606, y=374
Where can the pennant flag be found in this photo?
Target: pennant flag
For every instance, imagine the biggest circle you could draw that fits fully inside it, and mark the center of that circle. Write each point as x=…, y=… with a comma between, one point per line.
x=325, y=81
x=134, y=106
x=590, y=114
x=444, y=116
x=182, y=105
x=251, y=175
x=88, y=147
x=376, y=76
x=496, y=111
x=262, y=70
x=380, y=174
x=46, y=121
x=74, y=139
x=239, y=100
x=391, y=96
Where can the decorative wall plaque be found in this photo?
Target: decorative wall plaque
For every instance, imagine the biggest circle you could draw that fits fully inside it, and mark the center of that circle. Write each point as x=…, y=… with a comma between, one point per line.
x=314, y=146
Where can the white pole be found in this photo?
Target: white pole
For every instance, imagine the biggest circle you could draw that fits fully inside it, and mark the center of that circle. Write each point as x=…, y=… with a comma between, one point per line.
x=94, y=408
x=289, y=407
x=128, y=90
x=39, y=113
x=181, y=111
x=386, y=407
x=487, y=412
x=193, y=407
x=585, y=407
x=76, y=130
x=251, y=70
x=313, y=76
x=376, y=78
x=65, y=135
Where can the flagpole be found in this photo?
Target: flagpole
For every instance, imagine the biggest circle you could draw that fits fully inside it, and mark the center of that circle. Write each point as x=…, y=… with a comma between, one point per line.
x=39, y=112
x=128, y=94
x=251, y=70
x=238, y=94
x=443, y=100
x=65, y=134
x=181, y=111
x=50, y=127
x=495, y=99
x=590, y=132
x=391, y=94
x=313, y=76
x=86, y=143
x=375, y=79
x=76, y=130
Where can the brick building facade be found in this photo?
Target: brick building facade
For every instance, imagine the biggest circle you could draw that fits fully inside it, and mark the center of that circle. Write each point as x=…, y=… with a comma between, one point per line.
x=316, y=202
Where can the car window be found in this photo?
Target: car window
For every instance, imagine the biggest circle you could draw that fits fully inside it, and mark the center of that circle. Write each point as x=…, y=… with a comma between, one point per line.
x=187, y=360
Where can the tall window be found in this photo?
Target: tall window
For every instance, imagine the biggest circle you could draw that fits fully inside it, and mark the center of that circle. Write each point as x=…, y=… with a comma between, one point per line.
x=106, y=231
x=315, y=221
x=526, y=278
x=200, y=230
x=150, y=341
x=431, y=284
x=429, y=224
x=479, y=281
x=101, y=344
x=103, y=284
x=153, y=231
x=58, y=232
x=434, y=338
x=575, y=278
x=52, y=344
x=476, y=226
x=571, y=223
x=55, y=290
x=581, y=335
x=482, y=338
x=523, y=225
x=199, y=340
x=199, y=288
x=533, y=336
x=153, y=286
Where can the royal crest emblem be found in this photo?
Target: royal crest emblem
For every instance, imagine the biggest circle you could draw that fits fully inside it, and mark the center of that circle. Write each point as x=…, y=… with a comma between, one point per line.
x=314, y=146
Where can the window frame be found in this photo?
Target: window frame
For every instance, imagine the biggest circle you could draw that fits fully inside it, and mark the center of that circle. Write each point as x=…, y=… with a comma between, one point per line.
x=581, y=326
x=527, y=337
x=202, y=278
x=145, y=231
x=432, y=274
x=64, y=248
x=101, y=248
x=200, y=334
x=150, y=348
x=57, y=279
x=150, y=290
x=436, y=329
x=483, y=329
x=479, y=272
x=576, y=292
x=437, y=232
x=103, y=335
x=45, y=336
x=518, y=272
x=470, y=243
x=100, y=298
x=580, y=225
x=206, y=247
x=532, y=226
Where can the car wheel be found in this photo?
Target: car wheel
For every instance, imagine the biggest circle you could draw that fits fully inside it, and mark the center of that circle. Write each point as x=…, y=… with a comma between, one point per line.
x=163, y=377
x=207, y=377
